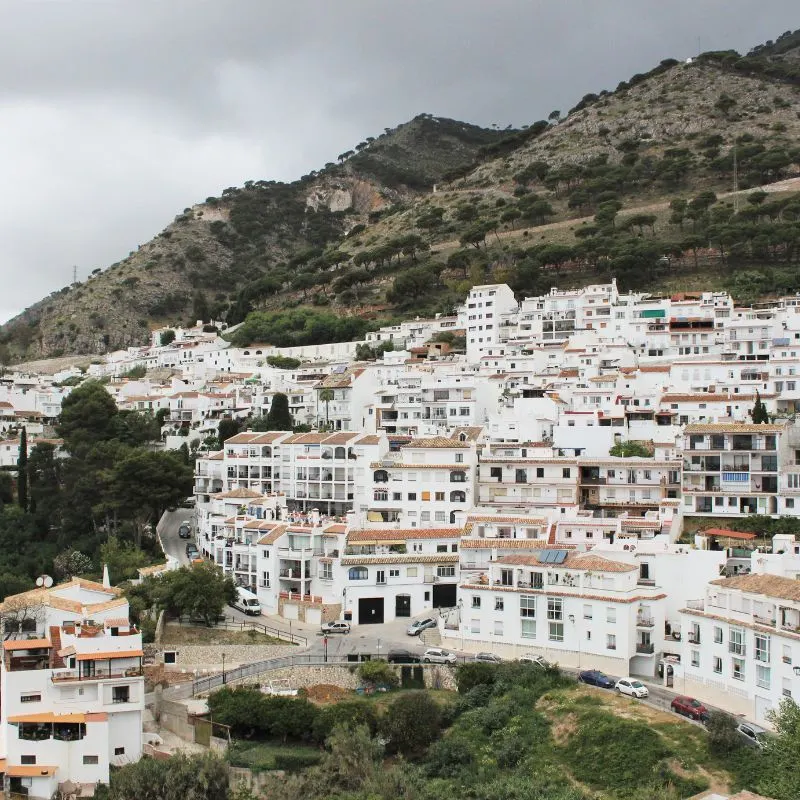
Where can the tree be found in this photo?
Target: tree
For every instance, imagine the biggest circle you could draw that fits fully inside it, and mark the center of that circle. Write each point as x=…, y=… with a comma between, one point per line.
x=145, y=483
x=782, y=779
x=283, y=362
x=722, y=736
x=554, y=116
x=70, y=563
x=412, y=722
x=122, y=559
x=279, y=417
x=199, y=591
x=628, y=449
x=228, y=428
x=759, y=413
x=6, y=489
x=326, y=395
x=22, y=470
x=87, y=416
x=184, y=777
x=200, y=309
x=377, y=673
x=44, y=482
x=167, y=337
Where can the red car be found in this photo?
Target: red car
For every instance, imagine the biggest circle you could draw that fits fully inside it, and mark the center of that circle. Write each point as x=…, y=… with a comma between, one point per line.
x=689, y=707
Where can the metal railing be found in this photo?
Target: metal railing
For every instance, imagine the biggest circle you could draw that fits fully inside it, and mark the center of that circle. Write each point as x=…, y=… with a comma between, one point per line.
x=231, y=623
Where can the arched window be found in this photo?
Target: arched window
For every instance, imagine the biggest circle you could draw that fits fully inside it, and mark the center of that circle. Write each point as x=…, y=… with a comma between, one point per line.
x=258, y=352
x=452, y=517
x=266, y=452
x=327, y=452
x=462, y=437
x=458, y=497
x=357, y=573
x=458, y=476
x=380, y=476
x=339, y=452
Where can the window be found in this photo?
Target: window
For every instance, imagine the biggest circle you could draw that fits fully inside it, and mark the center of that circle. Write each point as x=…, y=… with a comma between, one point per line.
x=695, y=658
x=718, y=665
x=453, y=548
x=717, y=635
x=91, y=759
x=411, y=572
x=555, y=608
x=556, y=631
x=476, y=601
x=527, y=628
x=357, y=573
x=474, y=626
x=498, y=604
x=540, y=472
x=787, y=654
x=119, y=751
x=425, y=516
x=412, y=496
x=762, y=676
x=611, y=641
x=30, y=698
x=737, y=668
x=459, y=458
x=120, y=694
x=736, y=644
x=611, y=614
x=439, y=516
x=27, y=760
x=441, y=548
x=394, y=573
x=170, y=657
x=380, y=576
x=565, y=472
x=762, y=647
x=448, y=571
x=498, y=627
x=587, y=612
x=439, y=497
x=527, y=606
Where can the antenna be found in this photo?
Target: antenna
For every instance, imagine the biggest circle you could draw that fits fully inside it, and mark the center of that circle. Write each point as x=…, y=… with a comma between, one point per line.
x=75, y=274
x=44, y=581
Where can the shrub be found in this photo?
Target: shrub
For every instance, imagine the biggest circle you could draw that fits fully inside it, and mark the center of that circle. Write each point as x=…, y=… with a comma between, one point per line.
x=350, y=714
x=411, y=723
x=296, y=761
x=377, y=672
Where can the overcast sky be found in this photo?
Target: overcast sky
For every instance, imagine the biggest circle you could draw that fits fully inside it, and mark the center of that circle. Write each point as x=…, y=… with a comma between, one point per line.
x=114, y=116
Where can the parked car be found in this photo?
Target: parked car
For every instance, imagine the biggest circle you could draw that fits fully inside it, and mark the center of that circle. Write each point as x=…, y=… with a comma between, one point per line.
x=435, y=655
x=416, y=628
x=594, y=677
x=403, y=657
x=336, y=627
x=488, y=658
x=534, y=659
x=191, y=550
x=185, y=532
x=189, y=502
x=690, y=707
x=752, y=735
x=632, y=687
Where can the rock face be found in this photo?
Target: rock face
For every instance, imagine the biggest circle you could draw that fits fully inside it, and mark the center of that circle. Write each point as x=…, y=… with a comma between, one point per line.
x=360, y=195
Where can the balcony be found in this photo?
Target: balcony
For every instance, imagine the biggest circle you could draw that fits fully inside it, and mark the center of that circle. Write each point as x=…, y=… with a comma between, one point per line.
x=645, y=622
x=694, y=637
x=646, y=648
x=68, y=676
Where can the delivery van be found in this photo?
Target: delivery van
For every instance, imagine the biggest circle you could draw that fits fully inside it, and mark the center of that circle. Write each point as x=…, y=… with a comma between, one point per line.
x=246, y=601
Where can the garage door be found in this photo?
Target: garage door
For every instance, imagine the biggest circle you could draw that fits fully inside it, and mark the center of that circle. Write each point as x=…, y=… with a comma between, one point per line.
x=314, y=616
x=290, y=611
x=444, y=595
x=370, y=611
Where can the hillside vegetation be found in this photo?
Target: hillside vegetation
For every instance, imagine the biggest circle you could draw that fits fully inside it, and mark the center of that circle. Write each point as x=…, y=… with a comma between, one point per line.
x=633, y=182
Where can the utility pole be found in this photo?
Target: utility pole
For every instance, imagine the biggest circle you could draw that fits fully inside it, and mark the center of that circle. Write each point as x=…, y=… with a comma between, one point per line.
x=75, y=274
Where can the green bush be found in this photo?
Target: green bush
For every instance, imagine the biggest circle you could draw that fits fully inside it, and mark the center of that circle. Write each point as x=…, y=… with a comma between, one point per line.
x=296, y=761
x=411, y=723
x=377, y=672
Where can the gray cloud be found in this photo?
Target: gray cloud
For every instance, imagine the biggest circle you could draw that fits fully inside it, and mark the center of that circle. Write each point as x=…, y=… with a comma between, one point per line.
x=114, y=116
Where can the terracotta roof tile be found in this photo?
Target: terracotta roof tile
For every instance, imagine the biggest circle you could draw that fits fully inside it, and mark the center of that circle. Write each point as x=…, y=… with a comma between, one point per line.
x=768, y=585
x=378, y=535
x=732, y=427
x=573, y=560
x=436, y=442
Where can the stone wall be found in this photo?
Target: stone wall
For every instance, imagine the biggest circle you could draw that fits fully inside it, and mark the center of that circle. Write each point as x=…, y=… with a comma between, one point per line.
x=208, y=658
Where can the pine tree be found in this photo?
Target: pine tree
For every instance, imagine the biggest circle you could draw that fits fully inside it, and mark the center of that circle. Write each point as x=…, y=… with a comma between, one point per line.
x=279, y=417
x=22, y=470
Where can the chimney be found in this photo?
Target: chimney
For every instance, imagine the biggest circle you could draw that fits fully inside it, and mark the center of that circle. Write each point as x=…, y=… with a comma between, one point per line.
x=106, y=578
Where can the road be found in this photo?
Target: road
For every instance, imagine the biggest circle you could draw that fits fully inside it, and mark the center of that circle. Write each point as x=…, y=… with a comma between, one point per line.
x=173, y=545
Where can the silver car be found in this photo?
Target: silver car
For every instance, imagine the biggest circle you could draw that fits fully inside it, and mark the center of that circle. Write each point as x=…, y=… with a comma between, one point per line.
x=416, y=628
x=435, y=655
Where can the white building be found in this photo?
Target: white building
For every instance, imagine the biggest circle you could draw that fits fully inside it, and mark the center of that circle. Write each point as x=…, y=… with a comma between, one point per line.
x=71, y=687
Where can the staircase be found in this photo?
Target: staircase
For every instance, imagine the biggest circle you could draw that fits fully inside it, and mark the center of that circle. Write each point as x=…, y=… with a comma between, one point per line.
x=431, y=637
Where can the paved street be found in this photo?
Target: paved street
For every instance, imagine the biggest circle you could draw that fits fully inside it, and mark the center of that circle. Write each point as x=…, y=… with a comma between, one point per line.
x=173, y=545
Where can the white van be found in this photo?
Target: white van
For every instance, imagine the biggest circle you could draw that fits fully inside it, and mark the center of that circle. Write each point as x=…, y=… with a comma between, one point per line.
x=246, y=601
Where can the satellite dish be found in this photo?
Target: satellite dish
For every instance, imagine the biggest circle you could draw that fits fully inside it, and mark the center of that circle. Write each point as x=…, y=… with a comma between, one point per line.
x=44, y=580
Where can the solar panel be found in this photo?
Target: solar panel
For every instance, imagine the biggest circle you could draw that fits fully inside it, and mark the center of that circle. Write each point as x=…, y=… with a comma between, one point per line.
x=559, y=556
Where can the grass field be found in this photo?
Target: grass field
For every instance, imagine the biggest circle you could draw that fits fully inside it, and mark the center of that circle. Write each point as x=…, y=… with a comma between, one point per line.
x=184, y=634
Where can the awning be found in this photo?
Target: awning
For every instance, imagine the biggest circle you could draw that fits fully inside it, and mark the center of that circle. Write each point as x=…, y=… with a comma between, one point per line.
x=48, y=716
x=29, y=644
x=34, y=771
x=106, y=656
x=726, y=534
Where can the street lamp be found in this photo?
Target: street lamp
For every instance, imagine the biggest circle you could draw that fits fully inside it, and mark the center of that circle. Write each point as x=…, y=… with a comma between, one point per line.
x=578, y=637
x=325, y=645
x=224, y=677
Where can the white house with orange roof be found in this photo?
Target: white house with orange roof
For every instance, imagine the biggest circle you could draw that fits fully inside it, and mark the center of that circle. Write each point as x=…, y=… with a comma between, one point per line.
x=71, y=687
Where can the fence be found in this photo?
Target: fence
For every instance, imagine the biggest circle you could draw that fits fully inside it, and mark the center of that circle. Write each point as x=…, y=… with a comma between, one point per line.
x=231, y=623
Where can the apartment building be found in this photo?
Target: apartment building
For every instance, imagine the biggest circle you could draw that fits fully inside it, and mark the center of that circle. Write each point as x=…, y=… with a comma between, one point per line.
x=404, y=572
x=574, y=608
x=742, y=644
x=71, y=688
x=481, y=314
x=313, y=470
x=428, y=481
x=733, y=469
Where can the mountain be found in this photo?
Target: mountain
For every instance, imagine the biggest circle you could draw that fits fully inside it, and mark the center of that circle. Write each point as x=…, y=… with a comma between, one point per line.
x=626, y=181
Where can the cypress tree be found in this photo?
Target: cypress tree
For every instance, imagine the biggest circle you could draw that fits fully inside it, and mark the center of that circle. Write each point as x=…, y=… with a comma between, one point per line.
x=22, y=470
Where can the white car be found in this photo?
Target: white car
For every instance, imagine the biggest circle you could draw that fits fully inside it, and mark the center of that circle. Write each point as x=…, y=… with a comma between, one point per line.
x=534, y=659
x=435, y=655
x=632, y=687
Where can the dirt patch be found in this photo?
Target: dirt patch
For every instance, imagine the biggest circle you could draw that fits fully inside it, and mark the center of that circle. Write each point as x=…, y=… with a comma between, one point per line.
x=184, y=634
x=324, y=694
x=158, y=676
x=563, y=728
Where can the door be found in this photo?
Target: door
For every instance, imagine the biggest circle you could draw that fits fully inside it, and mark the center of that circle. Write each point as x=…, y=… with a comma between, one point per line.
x=402, y=605
x=444, y=595
x=370, y=611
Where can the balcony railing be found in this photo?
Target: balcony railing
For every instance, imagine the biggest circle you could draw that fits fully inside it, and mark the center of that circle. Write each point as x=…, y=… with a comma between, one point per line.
x=645, y=622
x=645, y=647
x=97, y=675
